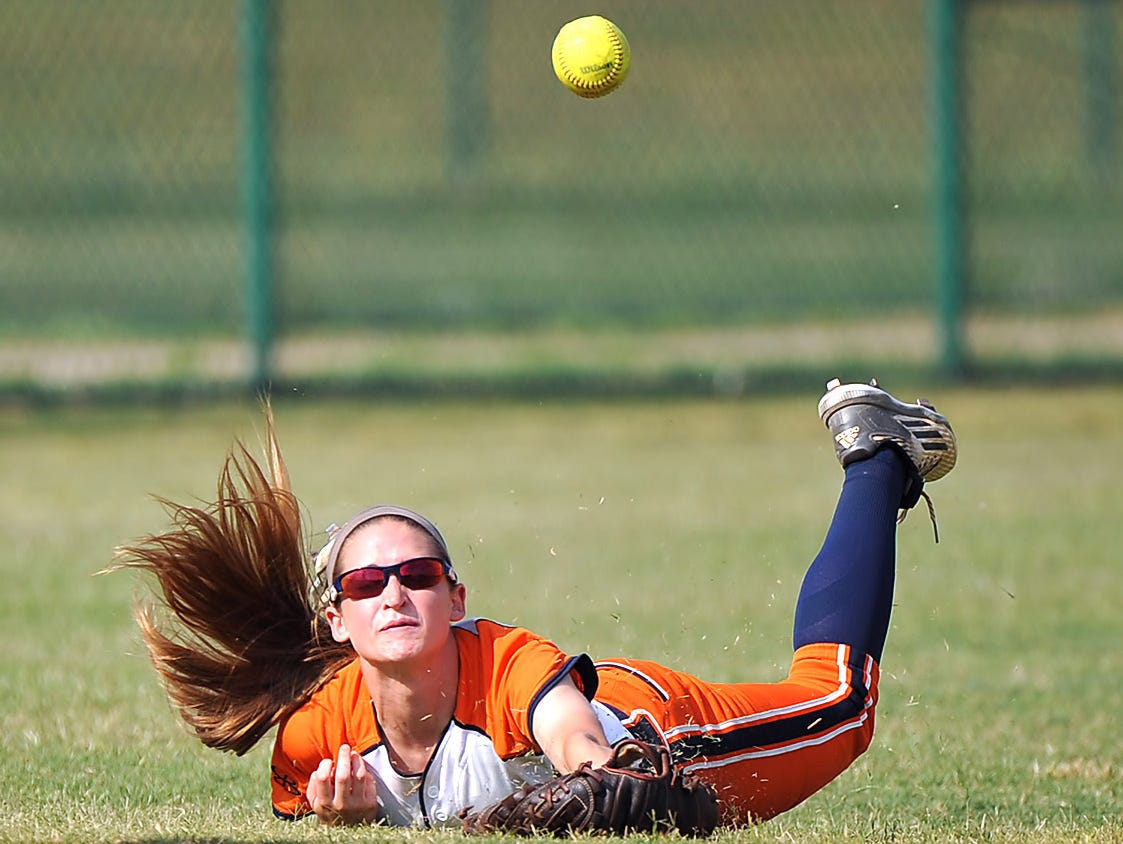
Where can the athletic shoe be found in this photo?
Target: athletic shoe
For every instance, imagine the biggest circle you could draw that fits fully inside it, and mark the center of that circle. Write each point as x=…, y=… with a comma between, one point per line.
x=863, y=418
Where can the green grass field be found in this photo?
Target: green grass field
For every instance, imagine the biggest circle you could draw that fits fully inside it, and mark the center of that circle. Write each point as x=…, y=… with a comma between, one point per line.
x=671, y=530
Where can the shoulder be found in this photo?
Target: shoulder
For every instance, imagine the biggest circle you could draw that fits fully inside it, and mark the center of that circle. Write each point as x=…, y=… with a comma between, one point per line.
x=484, y=632
x=513, y=662
x=482, y=627
x=344, y=687
x=339, y=711
x=491, y=644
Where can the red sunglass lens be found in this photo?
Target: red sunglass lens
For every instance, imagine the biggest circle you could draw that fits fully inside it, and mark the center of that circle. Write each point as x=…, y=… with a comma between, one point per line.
x=363, y=583
x=421, y=574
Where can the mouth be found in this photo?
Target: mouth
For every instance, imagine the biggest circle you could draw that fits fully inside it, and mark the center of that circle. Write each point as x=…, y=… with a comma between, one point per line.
x=397, y=624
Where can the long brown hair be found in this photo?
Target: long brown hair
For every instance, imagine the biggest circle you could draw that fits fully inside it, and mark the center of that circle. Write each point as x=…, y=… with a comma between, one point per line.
x=235, y=628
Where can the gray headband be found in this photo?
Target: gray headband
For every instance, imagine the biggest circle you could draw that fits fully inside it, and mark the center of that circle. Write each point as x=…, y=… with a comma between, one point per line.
x=335, y=544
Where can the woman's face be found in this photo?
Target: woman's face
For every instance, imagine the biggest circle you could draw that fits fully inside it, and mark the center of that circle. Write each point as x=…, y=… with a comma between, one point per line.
x=401, y=626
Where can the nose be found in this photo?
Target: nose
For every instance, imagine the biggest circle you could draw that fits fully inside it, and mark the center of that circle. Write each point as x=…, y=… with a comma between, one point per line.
x=393, y=594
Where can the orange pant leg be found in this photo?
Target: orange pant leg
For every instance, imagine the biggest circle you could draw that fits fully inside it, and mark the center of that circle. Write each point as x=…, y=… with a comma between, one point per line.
x=765, y=747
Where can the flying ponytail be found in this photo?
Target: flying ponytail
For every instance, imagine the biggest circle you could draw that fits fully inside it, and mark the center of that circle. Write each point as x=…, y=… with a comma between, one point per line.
x=235, y=629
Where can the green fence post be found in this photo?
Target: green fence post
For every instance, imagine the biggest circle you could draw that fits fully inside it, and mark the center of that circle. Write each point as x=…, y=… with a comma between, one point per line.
x=1101, y=72
x=466, y=100
x=946, y=73
x=257, y=167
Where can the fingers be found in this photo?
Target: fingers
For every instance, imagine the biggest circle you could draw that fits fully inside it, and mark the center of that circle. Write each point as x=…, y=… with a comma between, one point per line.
x=343, y=771
x=357, y=767
x=343, y=790
x=320, y=791
x=362, y=782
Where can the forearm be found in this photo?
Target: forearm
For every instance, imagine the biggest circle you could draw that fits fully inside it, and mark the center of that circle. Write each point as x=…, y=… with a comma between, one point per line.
x=579, y=747
x=567, y=729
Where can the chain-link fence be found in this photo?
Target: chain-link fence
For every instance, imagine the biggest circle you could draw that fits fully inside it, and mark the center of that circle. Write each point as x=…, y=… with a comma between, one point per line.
x=759, y=194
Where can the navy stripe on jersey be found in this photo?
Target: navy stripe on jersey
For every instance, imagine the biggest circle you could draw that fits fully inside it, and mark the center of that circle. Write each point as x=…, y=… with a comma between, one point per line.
x=583, y=665
x=639, y=723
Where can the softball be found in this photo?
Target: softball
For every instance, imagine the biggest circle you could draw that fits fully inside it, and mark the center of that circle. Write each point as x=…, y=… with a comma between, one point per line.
x=591, y=56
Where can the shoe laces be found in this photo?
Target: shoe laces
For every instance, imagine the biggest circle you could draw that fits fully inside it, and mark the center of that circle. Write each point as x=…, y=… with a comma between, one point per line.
x=931, y=515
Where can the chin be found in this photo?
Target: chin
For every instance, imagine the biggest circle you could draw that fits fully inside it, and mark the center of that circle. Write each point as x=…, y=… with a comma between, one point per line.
x=396, y=650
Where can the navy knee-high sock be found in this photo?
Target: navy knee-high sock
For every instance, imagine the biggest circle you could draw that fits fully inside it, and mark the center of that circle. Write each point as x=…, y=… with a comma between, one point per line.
x=847, y=593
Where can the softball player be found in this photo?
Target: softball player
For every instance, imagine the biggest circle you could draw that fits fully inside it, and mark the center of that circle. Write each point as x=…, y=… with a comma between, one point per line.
x=406, y=711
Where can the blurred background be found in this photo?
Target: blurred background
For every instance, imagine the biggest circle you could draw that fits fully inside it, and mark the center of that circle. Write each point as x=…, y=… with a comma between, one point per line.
x=399, y=196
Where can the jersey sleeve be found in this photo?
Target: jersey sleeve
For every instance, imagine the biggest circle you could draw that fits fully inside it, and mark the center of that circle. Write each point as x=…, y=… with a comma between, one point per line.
x=298, y=749
x=504, y=673
x=339, y=713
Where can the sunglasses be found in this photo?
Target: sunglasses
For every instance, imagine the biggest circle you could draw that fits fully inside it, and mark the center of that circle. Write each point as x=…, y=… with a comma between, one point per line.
x=369, y=581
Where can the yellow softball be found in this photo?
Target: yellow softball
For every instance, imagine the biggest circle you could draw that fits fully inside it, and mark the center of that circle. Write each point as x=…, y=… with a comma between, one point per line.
x=591, y=56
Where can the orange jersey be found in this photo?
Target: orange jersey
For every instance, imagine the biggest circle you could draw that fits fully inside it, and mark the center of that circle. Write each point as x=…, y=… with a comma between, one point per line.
x=764, y=746
x=487, y=752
